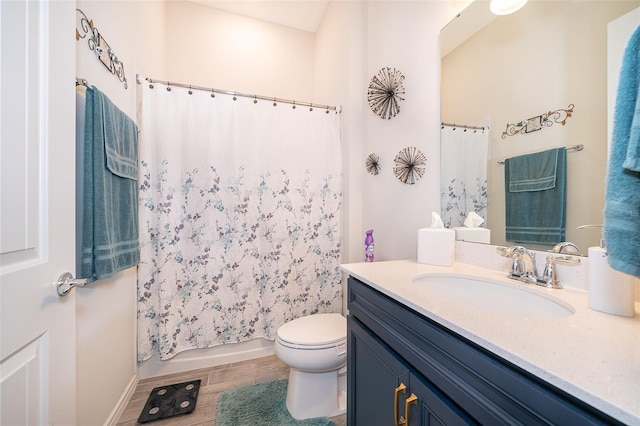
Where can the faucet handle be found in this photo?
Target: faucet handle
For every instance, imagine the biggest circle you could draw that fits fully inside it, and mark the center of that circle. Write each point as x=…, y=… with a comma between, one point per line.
x=509, y=251
x=549, y=276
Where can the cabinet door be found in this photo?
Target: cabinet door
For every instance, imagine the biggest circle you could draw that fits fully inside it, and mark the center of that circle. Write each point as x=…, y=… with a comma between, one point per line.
x=373, y=374
x=433, y=408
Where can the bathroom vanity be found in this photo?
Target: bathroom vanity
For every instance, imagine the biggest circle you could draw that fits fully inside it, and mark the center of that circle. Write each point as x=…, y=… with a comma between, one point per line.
x=416, y=357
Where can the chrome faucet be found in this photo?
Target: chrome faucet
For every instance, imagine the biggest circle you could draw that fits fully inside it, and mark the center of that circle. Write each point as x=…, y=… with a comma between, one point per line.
x=566, y=247
x=524, y=268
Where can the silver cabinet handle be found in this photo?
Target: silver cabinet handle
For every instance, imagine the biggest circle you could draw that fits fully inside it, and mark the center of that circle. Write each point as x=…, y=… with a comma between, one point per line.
x=66, y=282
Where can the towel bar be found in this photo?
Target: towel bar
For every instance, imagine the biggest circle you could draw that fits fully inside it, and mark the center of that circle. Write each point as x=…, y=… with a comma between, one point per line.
x=66, y=282
x=578, y=147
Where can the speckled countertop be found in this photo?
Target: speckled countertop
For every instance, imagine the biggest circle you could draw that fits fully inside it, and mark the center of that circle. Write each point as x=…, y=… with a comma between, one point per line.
x=590, y=355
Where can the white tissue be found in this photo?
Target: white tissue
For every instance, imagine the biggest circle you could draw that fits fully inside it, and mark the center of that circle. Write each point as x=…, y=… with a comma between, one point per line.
x=436, y=221
x=473, y=220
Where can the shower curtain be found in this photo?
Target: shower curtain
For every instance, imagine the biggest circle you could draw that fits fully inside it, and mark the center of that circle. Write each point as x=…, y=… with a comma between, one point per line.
x=239, y=218
x=464, y=154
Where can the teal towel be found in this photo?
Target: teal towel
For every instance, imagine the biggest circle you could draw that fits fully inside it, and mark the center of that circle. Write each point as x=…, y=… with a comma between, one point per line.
x=622, y=198
x=110, y=199
x=536, y=209
x=534, y=172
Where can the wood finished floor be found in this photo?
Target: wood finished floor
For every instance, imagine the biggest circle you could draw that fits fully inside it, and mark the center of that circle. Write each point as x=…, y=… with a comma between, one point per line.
x=215, y=381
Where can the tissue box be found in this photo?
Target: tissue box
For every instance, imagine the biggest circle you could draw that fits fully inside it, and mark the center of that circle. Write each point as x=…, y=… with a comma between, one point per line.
x=474, y=235
x=436, y=246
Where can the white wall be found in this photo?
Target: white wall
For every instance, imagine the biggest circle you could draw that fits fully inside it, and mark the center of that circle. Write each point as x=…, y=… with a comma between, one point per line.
x=106, y=310
x=213, y=48
x=339, y=70
x=403, y=35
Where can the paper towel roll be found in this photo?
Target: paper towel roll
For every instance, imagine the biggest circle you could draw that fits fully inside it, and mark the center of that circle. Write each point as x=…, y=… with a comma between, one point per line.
x=436, y=246
x=610, y=291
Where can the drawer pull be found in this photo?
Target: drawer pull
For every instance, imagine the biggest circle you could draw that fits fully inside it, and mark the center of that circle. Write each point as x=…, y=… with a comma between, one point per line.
x=412, y=400
x=396, y=407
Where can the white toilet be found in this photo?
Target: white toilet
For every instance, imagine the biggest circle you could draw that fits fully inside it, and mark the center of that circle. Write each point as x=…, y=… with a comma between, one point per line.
x=315, y=349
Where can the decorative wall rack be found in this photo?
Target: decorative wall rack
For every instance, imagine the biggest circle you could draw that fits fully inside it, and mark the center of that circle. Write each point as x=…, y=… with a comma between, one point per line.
x=538, y=122
x=372, y=163
x=97, y=43
x=409, y=165
x=385, y=93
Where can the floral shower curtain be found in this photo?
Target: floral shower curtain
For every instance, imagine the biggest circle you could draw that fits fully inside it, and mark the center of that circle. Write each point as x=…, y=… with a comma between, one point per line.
x=464, y=154
x=239, y=218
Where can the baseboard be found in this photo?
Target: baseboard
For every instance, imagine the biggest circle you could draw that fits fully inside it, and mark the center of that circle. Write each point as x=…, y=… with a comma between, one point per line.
x=205, y=358
x=112, y=420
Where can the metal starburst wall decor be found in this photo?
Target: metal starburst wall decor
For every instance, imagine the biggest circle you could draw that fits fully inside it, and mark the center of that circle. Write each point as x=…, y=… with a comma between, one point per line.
x=372, y=164
x=410, y=165
x=384, y=94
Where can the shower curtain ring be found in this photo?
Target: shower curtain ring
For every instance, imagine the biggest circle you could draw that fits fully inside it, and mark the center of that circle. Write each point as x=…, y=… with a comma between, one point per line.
x=274, y=102
x=311, y=107
x=190, y=91
x=213, y=95
x=235, y=98
x=255, y=99
x=168, y=86
x=294, y=105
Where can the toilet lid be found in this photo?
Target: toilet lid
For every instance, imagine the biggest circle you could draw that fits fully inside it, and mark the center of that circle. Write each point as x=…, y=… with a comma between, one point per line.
x=314, y=330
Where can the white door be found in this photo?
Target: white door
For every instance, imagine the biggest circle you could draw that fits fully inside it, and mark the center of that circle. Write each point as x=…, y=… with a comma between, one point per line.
x=37, y=236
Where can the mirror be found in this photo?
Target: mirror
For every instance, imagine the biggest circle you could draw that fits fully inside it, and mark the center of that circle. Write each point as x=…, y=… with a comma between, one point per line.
x=547, y=56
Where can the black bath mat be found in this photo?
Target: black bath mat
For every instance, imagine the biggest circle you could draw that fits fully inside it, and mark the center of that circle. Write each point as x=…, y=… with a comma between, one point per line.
x=171, y=400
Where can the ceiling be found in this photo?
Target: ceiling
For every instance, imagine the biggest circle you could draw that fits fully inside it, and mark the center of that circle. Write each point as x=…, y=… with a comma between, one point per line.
x=301, y=14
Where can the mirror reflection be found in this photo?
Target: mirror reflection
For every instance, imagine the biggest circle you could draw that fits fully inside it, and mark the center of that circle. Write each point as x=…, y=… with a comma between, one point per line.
x=517, y=70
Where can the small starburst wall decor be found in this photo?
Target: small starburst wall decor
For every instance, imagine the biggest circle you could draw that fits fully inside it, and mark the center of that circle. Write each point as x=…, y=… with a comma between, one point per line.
x=372, y=164
x=410, y=165
x=384, y=94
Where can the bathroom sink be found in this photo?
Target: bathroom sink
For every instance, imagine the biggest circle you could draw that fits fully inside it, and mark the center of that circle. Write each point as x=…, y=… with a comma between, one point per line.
x=487, y=295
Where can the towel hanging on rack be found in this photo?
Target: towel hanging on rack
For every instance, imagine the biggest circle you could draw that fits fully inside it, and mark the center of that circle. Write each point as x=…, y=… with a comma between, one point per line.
x=110, y=197
x=535, y=197
x=622, y=198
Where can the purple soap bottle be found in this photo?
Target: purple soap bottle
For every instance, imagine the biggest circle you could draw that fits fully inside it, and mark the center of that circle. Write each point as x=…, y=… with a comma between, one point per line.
x=368, y=246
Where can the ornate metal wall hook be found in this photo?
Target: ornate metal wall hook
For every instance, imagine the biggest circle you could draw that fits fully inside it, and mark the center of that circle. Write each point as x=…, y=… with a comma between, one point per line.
x=538, y=122
x=104, y=53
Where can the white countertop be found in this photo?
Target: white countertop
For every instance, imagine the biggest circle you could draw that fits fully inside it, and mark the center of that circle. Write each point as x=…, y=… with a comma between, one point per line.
x=590, y=355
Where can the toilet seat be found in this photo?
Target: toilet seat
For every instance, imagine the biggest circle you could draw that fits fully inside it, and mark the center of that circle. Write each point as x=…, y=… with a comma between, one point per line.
x=318, y=331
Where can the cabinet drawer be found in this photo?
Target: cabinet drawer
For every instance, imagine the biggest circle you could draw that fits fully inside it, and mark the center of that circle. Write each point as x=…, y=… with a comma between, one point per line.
x=487, y=387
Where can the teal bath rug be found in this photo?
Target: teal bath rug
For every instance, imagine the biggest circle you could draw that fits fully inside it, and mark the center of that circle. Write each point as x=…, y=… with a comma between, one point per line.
x=260, y=405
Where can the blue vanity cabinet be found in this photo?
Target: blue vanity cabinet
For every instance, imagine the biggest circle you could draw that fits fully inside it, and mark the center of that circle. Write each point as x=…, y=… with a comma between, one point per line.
x=381, y=387
x=455, y=380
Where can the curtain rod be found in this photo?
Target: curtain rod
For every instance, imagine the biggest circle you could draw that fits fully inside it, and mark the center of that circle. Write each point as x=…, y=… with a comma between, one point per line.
x=578, y=147
x=234, y=94
x=463, y=126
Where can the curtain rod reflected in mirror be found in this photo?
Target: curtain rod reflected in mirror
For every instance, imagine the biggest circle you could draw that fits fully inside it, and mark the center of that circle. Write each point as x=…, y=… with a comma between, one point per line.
x=462, y=126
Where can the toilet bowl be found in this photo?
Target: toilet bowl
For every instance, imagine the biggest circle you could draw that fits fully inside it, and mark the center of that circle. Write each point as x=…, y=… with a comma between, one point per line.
x=315, y=349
